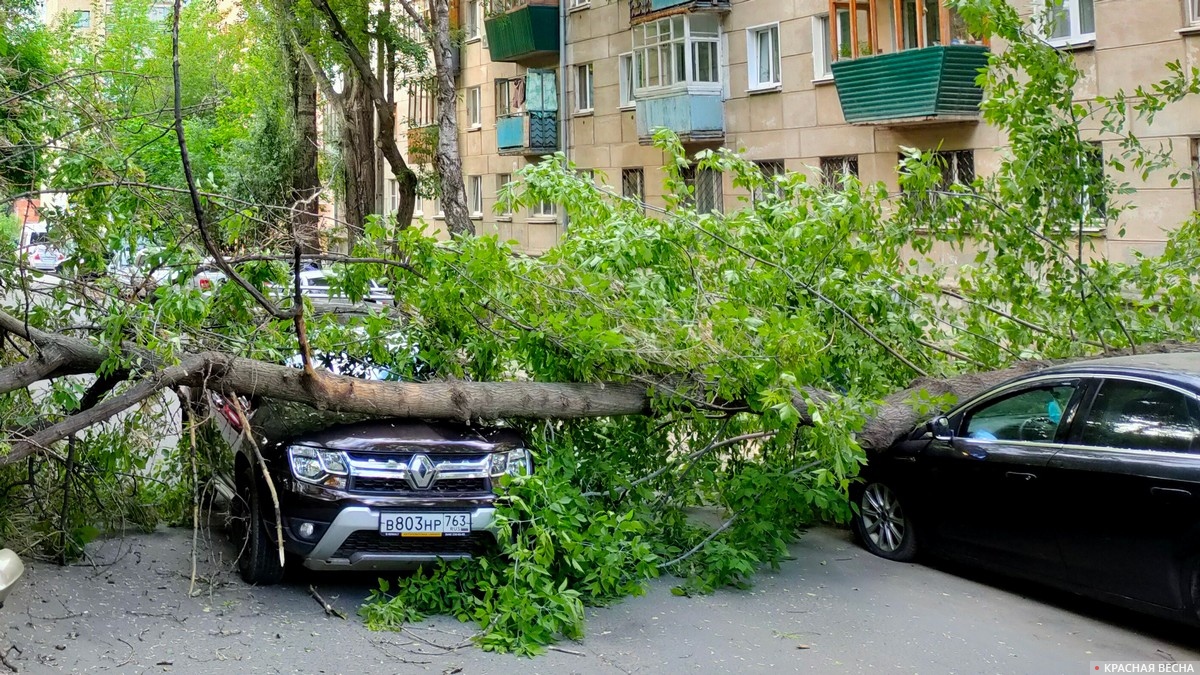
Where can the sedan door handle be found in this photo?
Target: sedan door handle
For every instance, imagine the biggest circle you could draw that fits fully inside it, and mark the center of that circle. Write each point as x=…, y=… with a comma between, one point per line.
x=1020, y=476
x=1169, y=492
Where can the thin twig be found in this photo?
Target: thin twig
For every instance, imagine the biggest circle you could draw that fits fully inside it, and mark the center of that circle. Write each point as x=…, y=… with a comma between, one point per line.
x=330, y=610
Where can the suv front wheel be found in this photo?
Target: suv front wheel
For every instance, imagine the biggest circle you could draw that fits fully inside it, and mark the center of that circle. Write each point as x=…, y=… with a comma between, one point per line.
x=258, y=559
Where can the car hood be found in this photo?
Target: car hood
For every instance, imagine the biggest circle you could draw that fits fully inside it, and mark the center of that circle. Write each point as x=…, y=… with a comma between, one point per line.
x=285, y=423
x=392, y=435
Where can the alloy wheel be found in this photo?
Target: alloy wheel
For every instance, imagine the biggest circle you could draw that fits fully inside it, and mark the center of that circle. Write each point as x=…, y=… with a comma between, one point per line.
x=883, y=521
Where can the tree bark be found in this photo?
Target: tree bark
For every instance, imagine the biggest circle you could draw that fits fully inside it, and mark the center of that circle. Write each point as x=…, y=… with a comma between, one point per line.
x=306, y=183
x=358, y=156
x=447, y=161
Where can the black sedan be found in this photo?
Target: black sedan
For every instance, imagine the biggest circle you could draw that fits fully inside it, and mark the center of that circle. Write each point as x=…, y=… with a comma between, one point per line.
x=1085, y=476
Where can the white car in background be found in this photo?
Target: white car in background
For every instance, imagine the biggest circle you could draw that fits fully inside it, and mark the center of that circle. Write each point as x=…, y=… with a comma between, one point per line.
x=38, y=252
x=317, y=285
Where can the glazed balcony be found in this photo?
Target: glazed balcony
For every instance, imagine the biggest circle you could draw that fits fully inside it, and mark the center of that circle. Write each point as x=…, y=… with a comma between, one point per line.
x=525, y=32
x=641, y=11
x=531, y=133
x=904, y=62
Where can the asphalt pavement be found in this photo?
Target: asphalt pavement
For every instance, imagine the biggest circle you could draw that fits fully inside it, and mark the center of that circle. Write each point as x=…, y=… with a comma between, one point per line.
x=833, y=609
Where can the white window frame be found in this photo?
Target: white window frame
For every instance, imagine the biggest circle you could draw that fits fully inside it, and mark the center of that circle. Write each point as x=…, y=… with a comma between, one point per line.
x=821, y=58
x=664, y=43
x=754, y=35
x=474, y=108
x=504, y=210
x=584, y=92
x=1193, y=12
x=475, y=196
x=578, y=4
x=626, y=77
x=543, y=210
x=471, y=24
x=1075, y=34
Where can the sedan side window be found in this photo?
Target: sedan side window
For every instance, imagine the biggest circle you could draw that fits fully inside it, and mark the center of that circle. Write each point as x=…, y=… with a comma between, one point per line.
x=1029, y=415
x=1137, y=416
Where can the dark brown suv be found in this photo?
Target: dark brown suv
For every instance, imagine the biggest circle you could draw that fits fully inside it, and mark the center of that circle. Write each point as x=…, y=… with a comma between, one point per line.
x=362, y=494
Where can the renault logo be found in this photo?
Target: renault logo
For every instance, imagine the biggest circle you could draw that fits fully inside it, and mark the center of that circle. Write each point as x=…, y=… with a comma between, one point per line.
x=421, y=472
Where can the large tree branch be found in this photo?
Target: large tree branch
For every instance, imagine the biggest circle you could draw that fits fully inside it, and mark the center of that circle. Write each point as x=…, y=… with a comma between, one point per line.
x=39, y=367
x=43, y=439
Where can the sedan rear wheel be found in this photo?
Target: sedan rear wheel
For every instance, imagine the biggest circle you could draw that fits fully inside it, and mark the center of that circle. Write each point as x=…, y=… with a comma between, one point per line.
x=883, y=524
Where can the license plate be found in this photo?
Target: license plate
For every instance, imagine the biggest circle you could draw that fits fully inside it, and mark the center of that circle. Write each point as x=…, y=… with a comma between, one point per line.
x=424, y=524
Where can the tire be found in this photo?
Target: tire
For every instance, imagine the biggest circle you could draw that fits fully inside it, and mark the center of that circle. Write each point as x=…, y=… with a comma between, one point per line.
x=258, y=559
x=883, y=523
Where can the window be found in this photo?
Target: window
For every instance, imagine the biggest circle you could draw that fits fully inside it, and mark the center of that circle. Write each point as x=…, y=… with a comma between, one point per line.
x=393, y=196
x=677, y=51
x=706, y=189
x=475, y=195
x=1138, y=416
x=504, y=209
x=1196, y=172
x=160, y=12
x=1193, y=11
x=1095, y=197
x=957, y=166
x=471, y=19
x=1029, y=415
x=83, y=18
x=544, y=209
x=1071, y=21
x=474, y=108
x=762, y=46
x=583, y=88
x=633, y=186
x=580, y=4
x=625, y=66
x=770, y=170
x=820, y=53
x=834, y=169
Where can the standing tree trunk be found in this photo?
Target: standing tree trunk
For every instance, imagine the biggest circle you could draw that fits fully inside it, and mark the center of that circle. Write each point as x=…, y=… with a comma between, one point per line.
x=306, y=182
x=448, y=162
x=358, y=155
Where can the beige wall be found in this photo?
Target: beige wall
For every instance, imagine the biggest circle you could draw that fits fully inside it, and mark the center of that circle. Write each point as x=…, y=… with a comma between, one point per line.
x=801, y=121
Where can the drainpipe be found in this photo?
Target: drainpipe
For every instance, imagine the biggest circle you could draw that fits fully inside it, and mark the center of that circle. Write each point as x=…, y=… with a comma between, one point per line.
x=564, y=120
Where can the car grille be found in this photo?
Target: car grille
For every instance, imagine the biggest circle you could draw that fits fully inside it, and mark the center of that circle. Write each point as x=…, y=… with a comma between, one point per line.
x=400, y=485
x=367, y=541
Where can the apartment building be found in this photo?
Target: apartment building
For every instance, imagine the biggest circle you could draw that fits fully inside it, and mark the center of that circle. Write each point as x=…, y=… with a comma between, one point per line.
x=803, y=85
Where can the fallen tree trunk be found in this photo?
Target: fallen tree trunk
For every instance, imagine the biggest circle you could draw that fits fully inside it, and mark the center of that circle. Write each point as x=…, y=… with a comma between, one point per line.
x=453, y=400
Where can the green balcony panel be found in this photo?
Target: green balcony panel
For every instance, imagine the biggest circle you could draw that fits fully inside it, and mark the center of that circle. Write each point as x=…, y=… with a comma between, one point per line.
x=933, y=84
x=525, y=34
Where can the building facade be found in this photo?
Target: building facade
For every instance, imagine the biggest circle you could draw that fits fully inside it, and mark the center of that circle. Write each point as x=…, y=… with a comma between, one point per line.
x=798, y=85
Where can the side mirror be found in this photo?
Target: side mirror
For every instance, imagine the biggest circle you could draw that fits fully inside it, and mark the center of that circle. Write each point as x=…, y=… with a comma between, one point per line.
x=940, y=428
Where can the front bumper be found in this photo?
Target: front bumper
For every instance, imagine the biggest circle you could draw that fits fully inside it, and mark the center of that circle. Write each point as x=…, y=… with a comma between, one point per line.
x=352, y=542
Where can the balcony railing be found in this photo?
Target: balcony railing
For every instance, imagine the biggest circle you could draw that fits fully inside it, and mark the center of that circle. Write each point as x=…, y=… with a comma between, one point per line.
x=641, y=11
x=524, y=32
x=696, y=117
x=532, y=133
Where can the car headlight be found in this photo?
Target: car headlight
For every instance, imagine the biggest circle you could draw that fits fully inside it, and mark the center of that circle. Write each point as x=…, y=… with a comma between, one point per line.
x=320, y=467
x=513, y=462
